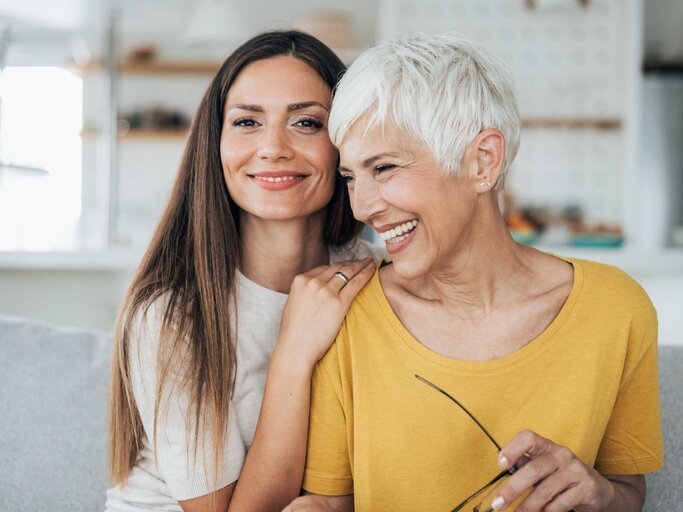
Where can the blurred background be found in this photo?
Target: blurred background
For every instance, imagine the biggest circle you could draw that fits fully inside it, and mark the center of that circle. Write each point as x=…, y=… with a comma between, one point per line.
x=96, y=97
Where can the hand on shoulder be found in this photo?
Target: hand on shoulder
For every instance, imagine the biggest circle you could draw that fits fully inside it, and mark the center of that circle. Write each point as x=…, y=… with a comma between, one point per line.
x=315, y=309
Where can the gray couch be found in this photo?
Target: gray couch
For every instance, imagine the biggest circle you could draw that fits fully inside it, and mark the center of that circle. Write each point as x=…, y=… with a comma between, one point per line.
x=53, y=392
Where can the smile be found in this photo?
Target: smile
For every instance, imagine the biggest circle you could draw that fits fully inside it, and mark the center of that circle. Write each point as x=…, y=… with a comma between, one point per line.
x=278, y=179
x=399, y=233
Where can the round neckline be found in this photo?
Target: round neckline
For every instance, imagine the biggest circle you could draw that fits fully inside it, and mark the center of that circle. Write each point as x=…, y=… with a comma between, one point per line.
x=336, y=254
x=513, y=359
x=245, y=282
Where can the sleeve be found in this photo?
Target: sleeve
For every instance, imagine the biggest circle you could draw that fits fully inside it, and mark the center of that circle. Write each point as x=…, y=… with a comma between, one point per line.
x=186, y=475
x=633, y=442
x=328, y=464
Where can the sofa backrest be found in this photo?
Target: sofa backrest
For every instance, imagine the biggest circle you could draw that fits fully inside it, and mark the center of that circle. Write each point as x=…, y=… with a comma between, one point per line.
x=665, y=488
x=53, y=431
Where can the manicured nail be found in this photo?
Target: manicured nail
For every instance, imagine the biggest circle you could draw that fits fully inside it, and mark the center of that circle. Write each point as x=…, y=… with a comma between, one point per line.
x=503, y=461
x=498, y=503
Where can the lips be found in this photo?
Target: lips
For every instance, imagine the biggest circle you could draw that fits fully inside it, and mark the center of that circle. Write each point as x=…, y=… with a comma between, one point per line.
x=277, y=180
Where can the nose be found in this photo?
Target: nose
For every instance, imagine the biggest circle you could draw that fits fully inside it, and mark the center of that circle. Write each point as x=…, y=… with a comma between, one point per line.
x=274, y=144
x=366, y=200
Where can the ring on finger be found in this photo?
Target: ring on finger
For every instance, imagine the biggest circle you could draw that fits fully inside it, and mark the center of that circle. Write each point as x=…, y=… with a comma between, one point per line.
x=342, y=276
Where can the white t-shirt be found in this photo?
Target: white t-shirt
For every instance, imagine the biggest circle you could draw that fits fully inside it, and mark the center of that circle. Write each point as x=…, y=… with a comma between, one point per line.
x=177, y=475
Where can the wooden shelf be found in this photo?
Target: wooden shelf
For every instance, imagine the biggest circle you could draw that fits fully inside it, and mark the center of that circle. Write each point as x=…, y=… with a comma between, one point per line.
x=145, y=134
x=159, y=67
x=573, y=123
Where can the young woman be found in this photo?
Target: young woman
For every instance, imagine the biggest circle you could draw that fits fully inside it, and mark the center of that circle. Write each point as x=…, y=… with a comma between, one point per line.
x=256, y=203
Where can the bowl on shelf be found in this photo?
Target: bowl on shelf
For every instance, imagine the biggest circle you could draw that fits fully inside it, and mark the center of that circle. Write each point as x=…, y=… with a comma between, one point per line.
x=604, y=240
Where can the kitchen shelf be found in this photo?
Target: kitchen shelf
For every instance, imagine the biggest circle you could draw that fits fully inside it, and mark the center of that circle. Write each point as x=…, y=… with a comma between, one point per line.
x=663, y=67
x=574, y=123
x=159, y=67
x=105, y=260
x=179, y=134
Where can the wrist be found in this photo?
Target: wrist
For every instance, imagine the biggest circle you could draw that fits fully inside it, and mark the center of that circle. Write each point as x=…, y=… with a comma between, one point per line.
x=611, y=495
x=290, y=364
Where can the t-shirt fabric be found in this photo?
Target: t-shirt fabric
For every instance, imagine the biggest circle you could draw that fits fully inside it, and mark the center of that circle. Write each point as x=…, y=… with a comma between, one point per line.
x=177, y=475
x=588, y=382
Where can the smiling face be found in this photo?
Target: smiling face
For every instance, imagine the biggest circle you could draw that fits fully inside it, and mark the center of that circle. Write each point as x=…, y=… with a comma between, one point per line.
x=396, y=186
x=278, y=161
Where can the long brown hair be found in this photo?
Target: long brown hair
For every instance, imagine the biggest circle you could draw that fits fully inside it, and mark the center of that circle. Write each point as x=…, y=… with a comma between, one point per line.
x=192, y=262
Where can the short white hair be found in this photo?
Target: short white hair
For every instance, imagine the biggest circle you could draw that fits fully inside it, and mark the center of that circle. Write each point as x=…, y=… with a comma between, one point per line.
x=442, y=90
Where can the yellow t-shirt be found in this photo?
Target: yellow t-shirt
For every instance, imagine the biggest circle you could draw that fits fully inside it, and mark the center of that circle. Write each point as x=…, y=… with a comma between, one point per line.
x=588, y=382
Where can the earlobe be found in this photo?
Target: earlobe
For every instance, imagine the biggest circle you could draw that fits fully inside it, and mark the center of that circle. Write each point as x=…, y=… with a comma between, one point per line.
x=490, y=157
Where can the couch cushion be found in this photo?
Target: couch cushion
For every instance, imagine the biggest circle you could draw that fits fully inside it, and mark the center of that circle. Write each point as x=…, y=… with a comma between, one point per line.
x=665, y=488
x=53, y=431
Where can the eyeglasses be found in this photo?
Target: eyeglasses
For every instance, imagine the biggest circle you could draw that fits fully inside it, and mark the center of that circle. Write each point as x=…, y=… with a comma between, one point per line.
x=481, y=495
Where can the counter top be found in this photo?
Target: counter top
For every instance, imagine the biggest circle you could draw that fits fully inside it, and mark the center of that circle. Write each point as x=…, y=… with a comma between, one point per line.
x=632, y=260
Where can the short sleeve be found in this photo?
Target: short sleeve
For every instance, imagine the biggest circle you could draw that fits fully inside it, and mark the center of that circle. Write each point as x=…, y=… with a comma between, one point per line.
x=633, y=442
x=186, y=475
x=328, y=466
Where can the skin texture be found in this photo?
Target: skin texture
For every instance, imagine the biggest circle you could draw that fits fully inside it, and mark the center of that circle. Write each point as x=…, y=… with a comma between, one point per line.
x=276, y=120
x=460, y=276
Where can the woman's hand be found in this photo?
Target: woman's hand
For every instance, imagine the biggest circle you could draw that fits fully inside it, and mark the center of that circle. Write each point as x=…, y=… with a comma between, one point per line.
x=315, y=309
x=559, y=480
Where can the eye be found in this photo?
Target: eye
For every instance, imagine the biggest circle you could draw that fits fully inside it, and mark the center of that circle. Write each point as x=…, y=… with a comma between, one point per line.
x=309, y=122
x=245, y=122
x=345, y=178
x=384, y=167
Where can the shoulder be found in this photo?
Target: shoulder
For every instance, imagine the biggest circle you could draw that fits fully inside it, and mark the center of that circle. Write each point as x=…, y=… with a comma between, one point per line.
x=613, y=293
x=150, y=323
x=355, y=250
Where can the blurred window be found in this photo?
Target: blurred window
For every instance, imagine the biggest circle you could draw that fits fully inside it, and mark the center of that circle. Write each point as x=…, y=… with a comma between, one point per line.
x=40, y=124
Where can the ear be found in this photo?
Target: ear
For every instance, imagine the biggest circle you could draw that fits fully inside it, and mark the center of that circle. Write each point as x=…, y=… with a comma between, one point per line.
x=488, y=154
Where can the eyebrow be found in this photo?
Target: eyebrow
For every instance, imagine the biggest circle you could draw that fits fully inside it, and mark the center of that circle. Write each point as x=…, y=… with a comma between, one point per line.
x=293, y=107
x=368, y=162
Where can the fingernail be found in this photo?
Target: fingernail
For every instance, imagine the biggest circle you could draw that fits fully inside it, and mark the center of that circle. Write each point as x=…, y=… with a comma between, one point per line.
x=503, y=461
x=498, y=503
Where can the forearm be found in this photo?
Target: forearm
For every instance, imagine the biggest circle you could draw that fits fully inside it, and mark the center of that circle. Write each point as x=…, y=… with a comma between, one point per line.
x=273, y=471
x=628, y=493
x=318, y=503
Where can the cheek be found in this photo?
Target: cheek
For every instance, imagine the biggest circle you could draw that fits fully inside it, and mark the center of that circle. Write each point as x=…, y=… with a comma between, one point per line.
x=325, y=155
x=324, y=158
x=233, y=154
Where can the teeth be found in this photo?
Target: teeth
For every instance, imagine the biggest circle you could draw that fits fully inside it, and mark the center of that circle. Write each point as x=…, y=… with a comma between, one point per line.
x=398, y=233
x=277, y=179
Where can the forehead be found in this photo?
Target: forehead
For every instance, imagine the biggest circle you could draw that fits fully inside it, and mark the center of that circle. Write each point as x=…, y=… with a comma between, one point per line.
x=361, y=142
x=277, y=79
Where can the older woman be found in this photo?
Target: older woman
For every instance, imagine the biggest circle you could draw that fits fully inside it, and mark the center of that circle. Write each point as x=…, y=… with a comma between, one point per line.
x=472, y=373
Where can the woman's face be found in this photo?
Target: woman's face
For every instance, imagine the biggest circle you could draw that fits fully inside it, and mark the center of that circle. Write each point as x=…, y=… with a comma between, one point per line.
x=397, y=187
x=278, y=161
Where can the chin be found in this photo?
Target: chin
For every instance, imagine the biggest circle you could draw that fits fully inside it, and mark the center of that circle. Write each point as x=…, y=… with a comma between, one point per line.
x=276, y=212
x=410, y=268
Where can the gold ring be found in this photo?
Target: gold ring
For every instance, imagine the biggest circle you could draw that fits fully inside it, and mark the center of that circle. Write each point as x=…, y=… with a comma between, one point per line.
x=342, y=276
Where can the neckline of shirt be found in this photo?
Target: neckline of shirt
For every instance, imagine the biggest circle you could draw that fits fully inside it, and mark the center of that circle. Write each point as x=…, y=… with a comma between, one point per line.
x=336, y=254
x=502, y=363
